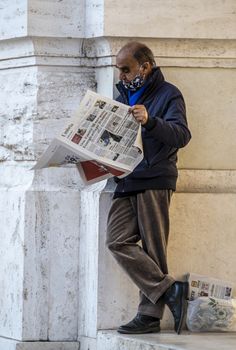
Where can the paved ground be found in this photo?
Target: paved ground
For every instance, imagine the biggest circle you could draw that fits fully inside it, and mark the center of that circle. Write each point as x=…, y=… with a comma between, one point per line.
x=111, y=340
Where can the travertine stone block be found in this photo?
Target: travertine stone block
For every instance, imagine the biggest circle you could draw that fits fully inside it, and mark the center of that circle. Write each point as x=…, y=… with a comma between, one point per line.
x=40, y=211
x=209, y=95
x=13, y=19
x=50, y=265
x=202, y=236
x=20, y=18
x=214, y=19
x=11, y=267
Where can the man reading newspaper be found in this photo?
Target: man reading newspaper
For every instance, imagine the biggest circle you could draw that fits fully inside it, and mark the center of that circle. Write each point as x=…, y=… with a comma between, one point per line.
x=102, y=138
x=140, y=207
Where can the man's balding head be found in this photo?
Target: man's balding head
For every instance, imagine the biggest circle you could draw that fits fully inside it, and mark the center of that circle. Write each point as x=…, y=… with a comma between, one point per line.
x=140, y=52
x=134, y=60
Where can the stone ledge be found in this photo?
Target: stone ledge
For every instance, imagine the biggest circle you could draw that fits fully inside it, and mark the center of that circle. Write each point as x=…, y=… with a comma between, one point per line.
x=101, y=52
x=206, y=181
x=111, y=340
x=10, y=344
x=200, y=181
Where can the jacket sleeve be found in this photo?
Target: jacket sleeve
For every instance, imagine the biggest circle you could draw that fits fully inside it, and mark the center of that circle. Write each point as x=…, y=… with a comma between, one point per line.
x=172, y=128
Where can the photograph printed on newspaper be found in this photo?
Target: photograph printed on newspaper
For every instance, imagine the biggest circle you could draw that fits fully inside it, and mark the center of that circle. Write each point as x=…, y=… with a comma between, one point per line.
x=102, y=139
x=204, y=286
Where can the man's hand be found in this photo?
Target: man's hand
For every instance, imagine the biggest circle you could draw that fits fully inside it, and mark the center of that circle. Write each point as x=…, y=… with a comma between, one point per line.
x=140, y=113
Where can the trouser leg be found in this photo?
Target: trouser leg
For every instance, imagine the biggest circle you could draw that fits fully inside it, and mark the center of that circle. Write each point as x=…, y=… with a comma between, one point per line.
x=131, y=219
x=153, y=218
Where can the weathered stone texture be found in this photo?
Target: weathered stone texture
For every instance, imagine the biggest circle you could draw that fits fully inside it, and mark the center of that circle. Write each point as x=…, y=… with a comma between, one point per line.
x=89, y=261
x=8, y=344
x=11, y=267
x=58, y=18
x=41, y=237
x=37, y=108
x=13, y=18
x=51, y=263
x=58, y=95
x=17, y=108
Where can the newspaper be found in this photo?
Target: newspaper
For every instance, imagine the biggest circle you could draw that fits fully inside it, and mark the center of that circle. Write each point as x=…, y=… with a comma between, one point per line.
x=102, y=139
x=203, y=286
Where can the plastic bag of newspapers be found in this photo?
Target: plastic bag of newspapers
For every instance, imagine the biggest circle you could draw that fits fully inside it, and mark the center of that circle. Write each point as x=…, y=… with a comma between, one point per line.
x=206, y=314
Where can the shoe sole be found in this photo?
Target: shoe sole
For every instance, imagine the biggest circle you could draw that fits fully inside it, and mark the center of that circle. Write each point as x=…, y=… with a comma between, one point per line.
x=184, y=307
x=153, y=330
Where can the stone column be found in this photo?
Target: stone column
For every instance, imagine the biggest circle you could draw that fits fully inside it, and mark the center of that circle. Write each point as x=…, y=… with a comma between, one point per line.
x=42, y=80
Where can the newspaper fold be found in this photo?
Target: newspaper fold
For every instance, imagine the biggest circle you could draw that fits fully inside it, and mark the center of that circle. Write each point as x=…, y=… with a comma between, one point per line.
x=102, y=139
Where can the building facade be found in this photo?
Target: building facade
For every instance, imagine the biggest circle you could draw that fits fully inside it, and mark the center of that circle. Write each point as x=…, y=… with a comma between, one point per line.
x=59, y=286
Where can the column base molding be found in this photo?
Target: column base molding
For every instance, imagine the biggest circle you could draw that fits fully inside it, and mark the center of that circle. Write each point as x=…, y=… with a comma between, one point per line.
x=10, y=344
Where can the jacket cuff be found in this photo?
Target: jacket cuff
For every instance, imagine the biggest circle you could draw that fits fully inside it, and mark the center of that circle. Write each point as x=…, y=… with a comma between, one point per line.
x=151, y=123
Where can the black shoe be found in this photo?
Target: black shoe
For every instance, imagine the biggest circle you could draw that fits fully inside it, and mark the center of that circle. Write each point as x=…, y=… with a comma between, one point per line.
x=141, y=324
x=176, y=299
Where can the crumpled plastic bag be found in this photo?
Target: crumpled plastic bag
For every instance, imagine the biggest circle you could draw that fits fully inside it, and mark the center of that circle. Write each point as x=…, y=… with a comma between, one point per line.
x=208, y=314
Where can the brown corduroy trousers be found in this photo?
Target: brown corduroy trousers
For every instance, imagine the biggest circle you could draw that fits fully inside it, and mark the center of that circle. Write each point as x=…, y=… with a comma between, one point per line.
x=143, y=217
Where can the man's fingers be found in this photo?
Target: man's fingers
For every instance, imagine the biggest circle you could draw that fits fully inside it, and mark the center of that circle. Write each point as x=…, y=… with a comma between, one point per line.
x=137, y=109
x=140, y=113
x=131, y=109
x=135, y=112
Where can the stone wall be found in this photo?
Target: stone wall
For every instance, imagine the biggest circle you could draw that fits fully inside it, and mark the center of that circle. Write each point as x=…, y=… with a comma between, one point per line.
x=202, y=219
x=58, y=283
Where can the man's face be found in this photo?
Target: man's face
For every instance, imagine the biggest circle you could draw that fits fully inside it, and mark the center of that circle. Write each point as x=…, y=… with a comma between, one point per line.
x=128, y=67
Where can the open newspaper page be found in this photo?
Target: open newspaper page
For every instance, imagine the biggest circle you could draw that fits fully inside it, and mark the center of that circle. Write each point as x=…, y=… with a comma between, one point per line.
x=103, y=139
x=203, y=286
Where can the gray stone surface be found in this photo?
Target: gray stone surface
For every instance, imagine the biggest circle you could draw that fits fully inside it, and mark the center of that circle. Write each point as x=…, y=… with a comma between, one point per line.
x=8, y=344
x=111, y=340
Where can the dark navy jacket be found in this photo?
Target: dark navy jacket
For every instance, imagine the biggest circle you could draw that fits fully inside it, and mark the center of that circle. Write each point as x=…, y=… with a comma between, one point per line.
x=165, y=132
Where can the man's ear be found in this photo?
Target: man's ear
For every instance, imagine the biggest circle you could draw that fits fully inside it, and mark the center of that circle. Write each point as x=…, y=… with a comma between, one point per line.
x=147, y=67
